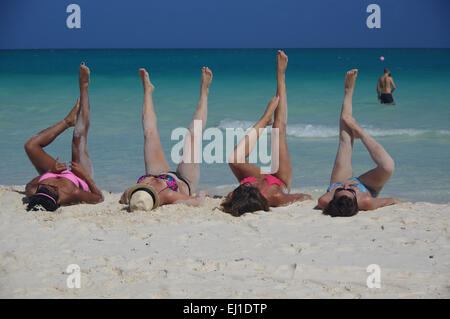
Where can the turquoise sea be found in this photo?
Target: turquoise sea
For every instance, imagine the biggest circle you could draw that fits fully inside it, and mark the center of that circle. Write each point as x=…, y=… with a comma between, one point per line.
x=39, y=87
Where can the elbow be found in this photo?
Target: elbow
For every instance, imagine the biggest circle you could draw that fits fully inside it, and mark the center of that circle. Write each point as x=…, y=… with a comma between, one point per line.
x=29, y=145
x=322, y=203
x=232, y=159
x=388, y=166
x=98, y=199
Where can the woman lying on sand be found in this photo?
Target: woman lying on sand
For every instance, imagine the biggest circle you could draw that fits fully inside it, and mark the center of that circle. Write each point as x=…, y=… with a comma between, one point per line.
x=258, y=191
x=57, y=185
x=347, y=194
x=160, y=186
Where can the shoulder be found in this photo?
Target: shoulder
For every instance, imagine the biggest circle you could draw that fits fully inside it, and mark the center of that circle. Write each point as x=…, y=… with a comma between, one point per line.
x=169, y=196
x=275, y=196
x=365, y=202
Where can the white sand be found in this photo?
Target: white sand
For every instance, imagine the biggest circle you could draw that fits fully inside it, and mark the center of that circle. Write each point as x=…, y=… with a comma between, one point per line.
x=184, y=252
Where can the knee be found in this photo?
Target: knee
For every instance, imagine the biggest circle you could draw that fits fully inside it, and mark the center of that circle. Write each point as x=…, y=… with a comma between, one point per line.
x=287, y=183
x=30, y=144
x=388, y=166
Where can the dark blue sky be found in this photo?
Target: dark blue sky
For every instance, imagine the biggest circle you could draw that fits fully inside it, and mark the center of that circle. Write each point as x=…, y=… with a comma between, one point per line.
x=40, y=24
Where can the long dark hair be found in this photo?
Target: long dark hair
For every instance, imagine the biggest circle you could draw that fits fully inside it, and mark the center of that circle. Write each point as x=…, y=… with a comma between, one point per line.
x=343, y=206
x=245, y=199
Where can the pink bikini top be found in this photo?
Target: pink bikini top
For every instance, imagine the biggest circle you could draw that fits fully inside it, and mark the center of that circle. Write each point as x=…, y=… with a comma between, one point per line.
x=270, y=179
x=68, y=175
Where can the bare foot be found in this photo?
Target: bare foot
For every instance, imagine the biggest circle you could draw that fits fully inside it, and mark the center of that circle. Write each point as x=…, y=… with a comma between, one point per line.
x=350, y=79
x=271, y=107
x=84, y=76
x=351, y=123
x=206, y=80
x=71, y=118
x=282, y=61
x=148, y=86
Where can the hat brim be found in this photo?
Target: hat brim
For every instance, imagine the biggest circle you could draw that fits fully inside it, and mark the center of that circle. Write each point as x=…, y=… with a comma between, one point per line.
x=149, y=189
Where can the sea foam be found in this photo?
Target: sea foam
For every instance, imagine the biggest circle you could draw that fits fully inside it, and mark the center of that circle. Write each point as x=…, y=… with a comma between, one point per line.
x=322, y=131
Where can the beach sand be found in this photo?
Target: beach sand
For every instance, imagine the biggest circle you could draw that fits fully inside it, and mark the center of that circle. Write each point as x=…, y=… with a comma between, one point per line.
x=178, y=251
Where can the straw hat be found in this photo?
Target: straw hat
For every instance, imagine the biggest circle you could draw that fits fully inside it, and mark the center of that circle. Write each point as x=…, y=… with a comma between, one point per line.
x=142, y=197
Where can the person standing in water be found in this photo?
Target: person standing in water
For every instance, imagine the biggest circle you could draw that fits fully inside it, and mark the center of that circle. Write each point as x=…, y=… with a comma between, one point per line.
x=386, y=87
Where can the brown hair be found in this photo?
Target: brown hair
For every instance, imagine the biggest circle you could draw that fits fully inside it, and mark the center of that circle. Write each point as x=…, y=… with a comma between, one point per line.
x=343, y=206
x=245, y=199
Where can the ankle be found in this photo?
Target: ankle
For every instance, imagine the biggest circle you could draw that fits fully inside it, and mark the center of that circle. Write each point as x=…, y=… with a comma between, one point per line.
x=349, y=91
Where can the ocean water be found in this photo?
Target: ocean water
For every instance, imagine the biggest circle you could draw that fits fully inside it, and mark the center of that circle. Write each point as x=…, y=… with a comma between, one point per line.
x=39, y=87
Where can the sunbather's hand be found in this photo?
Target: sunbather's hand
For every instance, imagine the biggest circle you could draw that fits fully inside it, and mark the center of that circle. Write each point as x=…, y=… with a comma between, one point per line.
x=78, y=170
x=124, y=198
x=268, y=114
x=301, y=197
x=306, y=197
x=58, y=167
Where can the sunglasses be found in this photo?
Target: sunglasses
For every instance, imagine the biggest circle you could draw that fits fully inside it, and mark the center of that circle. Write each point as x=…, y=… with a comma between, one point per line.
x=344, y=189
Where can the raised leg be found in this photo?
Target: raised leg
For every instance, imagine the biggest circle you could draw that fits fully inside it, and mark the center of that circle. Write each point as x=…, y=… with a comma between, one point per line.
x=284, y=172
x=375, y=178
x=238, y=160
x=80, y=152
x=34, y=147
x=342, y=169
x=155, y=161
x=189, y=166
